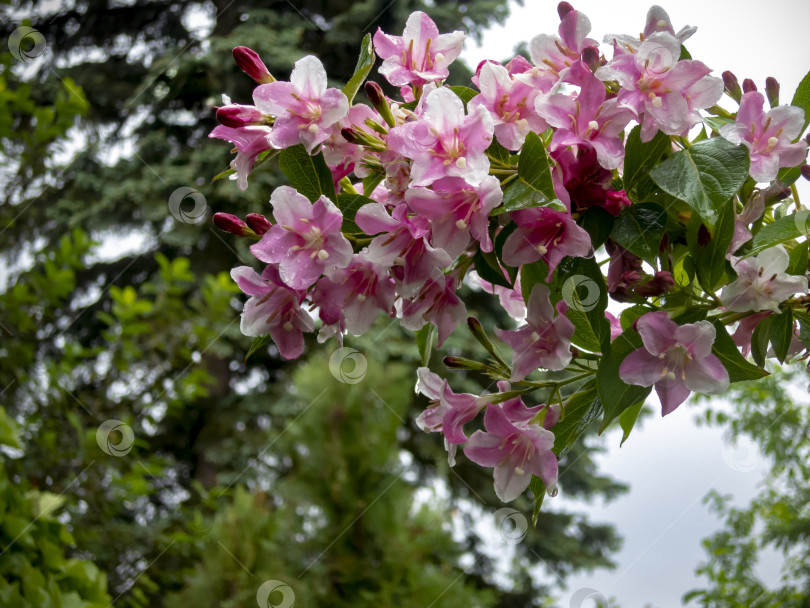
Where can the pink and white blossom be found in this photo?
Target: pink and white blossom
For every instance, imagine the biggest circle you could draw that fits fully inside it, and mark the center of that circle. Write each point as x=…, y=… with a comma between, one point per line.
x=762, y=283
x=274, y=309
x=305, y=109
x=768, y=136
x=445, y=142
x=676, y=359
x=457, y=211
x=547, y=234
x=438, y=303
x=250, y=141
x=657, y=21
x=306, y=239
x=555, y=54
x=448, y=411
x=420, y=55
x=516, y=450
x=545, y=340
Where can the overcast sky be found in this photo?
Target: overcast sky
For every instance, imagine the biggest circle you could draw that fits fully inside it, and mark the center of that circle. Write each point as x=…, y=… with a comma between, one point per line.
x=670, y=463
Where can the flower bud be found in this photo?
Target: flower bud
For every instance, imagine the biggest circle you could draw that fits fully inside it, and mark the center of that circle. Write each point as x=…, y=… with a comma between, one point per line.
x=616, y=201
x=772, y=91
x=377, y=98
x=239, y=116
x=251, y=64
x=704, y=237
x=351, y=135
x=749, y=86
x=563, y=8
x=462, y=363
x=227, y=222
x=731, y=86
x=590, y=55
x=258, y=223
x=806, y=172
x=660, y=283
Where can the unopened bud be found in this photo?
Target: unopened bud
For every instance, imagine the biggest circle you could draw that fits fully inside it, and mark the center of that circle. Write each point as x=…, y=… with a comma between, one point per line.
x=251, y=64
x=806, y=172
x=772, y=91
x=732, y=86
x=258, y=223
x=615, y=201
x=239, y=116
x=704, y=237
x=749, y=86
x=227, y=222
x=462, y=363
x=660, y=283
x=377, y=98
x=351, y=136
x=590, y=55
x=563, y=8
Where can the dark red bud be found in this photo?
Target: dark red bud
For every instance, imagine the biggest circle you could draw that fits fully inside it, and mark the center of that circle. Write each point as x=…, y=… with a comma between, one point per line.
x=239, y=116
x=374, y=93
x=227, y=222
x=772, y=91
x=258, y=223
x=806, y=172
x=732, y=86
x=563, y=8
x=661, y=283
x=704, y=237
x=749, y=86
x=251, y=64
x=350, y=135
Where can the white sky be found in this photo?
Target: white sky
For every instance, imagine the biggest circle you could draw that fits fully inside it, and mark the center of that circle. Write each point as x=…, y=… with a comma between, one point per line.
x=670, y=463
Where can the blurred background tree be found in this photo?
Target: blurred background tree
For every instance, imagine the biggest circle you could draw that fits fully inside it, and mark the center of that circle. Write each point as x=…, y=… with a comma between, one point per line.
x=113, y=309
x=770, y=422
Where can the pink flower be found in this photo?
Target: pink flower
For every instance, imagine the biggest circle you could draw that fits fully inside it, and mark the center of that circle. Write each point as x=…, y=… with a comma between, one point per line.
x=657, y=21
x=547, y=234
x=545, y=340
x=304, y=108
x=448, y=411
x=402, y=245
x=437, y=303
x=305, y=241
x=762, y=283
x=510, y=102
x=581, y=179
x=511, y=299
x=615, y=326
x=516, y=451
x=557, y=53
x=352, y=297
x=420, y=55
x=250, y=142
x=676, y=359
x=457, y=211
x=768, y=136
x=745, y=331
x=445, y=142
x=664, y=93
x=273, y=309
x=586, y=118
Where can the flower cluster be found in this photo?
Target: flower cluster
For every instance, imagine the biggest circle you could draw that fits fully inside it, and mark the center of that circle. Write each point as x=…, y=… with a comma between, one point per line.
x=522, y=187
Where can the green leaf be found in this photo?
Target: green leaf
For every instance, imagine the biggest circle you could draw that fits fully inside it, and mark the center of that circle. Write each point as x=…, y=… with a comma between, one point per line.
x=8, y=430
x=801, y=99
x=781, y=333
x=627, y=420
x=534, y=166
x=598, y=223
x=489, y=269
x=538, y=488
x=798, y=259
x=371, y=182
x=530, y=275
x=583, y=288
x=760, y=339
x=717, y=122
x=310, y=175
x=464, y=93
x=788, y=175
x=425, y=339
x=704, y=175
x=498, y=154
x=519, y=195
x=640, y=158
x=581, y=410
x=737, y=367
x=804, y=327
x=615, y=394
x=784, y=229
x=348, y=205
x=364, y=64
x=640, y=228
x=257, y=344
x=710, y=258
